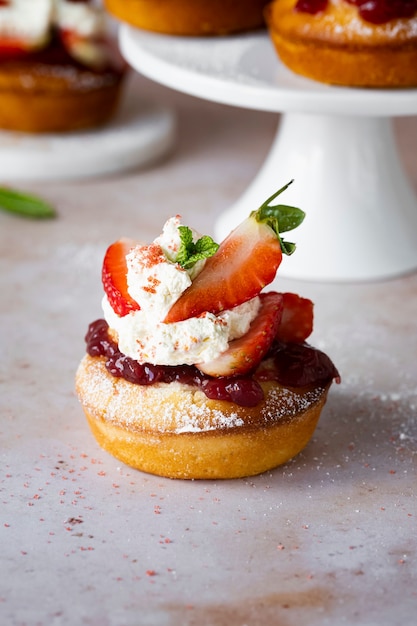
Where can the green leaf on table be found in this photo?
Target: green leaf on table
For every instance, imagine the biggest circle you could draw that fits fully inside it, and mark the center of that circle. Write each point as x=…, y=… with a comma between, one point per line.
x=26, y=205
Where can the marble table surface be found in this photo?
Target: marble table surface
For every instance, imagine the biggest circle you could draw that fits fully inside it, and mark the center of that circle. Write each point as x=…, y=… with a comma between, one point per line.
x=328, y=539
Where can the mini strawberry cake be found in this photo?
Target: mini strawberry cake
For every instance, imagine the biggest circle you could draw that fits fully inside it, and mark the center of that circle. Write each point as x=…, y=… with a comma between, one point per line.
x=190, y=17
x=358, y=43
x=58, y=68
x=196, y=371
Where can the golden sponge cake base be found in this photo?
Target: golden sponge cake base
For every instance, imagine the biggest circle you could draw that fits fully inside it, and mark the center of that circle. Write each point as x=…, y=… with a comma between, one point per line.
x=174, y=430
x=337, y=47
x=190, y=17
x=37, y=98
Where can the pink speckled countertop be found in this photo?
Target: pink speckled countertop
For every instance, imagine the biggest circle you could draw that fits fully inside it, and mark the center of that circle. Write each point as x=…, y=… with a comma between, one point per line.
x=328, y=539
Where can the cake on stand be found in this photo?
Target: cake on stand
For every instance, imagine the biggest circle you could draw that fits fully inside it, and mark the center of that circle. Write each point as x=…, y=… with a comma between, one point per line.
x=337, y=144
x=139, y=133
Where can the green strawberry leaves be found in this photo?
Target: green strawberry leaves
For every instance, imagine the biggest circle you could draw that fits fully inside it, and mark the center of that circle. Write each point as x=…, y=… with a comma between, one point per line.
x=281, y=218
x=190, y=252
x=25, y=205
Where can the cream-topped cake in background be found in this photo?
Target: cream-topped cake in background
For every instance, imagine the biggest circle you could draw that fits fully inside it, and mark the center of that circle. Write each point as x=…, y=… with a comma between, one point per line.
x=190, y=17
x=347, y=42
x=59, y=70
x=196, y=371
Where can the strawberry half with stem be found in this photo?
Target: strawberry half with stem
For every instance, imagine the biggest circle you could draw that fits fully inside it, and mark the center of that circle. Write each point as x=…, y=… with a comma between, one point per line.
x=245, y=262
x=245, y=353
x=297, y=319
x=114, y=277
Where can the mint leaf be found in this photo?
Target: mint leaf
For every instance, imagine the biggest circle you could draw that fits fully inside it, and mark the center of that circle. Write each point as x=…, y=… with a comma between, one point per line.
x=187, y=245
x=24, y=204
x=281, y=218
x=190, y=252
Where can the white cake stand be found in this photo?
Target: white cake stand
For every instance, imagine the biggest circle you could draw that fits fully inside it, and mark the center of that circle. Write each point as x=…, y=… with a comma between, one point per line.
x=337, y=143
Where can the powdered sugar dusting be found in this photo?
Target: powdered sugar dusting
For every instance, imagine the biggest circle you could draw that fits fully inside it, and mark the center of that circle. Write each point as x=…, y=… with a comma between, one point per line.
x=174, y=407
x=198, y=418
x=287, y=403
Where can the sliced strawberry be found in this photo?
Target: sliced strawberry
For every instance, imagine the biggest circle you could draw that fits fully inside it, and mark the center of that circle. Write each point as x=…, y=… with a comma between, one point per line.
x=245, y=262
x=297, y=319
x=245, y=353
x=90, y=51
x=114, y=277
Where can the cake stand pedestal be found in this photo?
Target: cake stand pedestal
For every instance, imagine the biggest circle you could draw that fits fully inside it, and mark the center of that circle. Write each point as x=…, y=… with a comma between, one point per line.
x=337, y=144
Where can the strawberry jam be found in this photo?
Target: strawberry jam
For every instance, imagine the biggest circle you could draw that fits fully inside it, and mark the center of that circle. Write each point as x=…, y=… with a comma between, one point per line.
x=56, y=56
x=311, y=6
x=297, y=365
x=293, y=365
x=374, y=11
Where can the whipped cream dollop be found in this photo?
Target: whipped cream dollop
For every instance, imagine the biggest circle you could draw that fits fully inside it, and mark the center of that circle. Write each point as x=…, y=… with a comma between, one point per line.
x=86, y=20
x=31, y=21
x=155, y=282
x=26, y=20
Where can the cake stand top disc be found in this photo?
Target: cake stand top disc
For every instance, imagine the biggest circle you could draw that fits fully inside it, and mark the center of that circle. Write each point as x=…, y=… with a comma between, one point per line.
x=244, y=70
